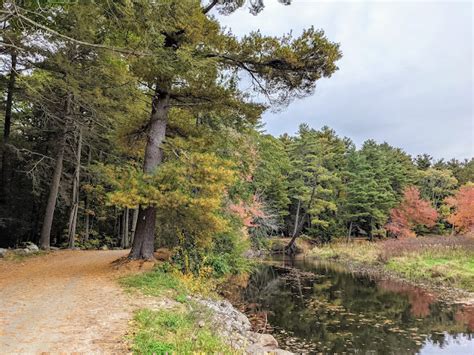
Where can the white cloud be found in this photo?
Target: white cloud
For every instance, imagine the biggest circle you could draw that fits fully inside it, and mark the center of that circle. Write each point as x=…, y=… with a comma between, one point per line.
x=405, y=78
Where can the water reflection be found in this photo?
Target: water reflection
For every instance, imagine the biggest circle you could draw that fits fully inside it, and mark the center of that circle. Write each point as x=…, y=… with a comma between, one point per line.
x=313, y=307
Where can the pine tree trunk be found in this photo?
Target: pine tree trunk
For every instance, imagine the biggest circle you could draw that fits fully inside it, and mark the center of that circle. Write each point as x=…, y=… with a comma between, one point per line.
x=122, y=230
x=127, y=228
x=6, y=164
x=134, y=225
x=45, y=237
x=295, y=230
x=143, y=243
x=117, y=230
x=290, y=248
x=53, y=195
x=369, y=233
x=86, y=200
x=75, y=194
x=350, y=232
x=124, y=241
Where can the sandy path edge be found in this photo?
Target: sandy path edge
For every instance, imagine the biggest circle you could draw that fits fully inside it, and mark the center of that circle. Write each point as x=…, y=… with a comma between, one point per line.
x=66, y=301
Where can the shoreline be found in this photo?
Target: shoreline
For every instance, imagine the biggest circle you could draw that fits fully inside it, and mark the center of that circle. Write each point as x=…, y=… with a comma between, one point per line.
x=377, y=271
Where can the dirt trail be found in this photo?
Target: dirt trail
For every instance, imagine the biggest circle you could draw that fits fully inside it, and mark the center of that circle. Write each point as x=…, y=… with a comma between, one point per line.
x=67, y=301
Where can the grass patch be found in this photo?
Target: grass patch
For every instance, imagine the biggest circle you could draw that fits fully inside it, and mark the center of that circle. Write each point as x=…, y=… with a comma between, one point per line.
x=164, y=280
x=154, y=283
x=438, y=259
x=184, y=330
x=356, y=251
x=172, y=331
x=19, y=256
x=454, y=268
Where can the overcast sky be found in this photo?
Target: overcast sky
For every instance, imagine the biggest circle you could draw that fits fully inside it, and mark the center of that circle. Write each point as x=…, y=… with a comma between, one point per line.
x=406, y=76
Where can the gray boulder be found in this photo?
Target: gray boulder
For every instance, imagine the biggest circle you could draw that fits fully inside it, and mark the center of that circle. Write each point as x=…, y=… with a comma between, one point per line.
x=31, y=247
x=3, y=252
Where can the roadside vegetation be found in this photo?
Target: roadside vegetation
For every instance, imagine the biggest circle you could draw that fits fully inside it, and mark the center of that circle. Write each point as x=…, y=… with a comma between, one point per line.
x=439, y=260
x=166, y=280
x=27, y=250
x=183, y=325
x=178, y=330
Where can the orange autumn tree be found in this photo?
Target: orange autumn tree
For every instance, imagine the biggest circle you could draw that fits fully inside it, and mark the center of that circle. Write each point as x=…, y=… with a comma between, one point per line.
x=248, y=212
x=412, y=211
x=462, y=204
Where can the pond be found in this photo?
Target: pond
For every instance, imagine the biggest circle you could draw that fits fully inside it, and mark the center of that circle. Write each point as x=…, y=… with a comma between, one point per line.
x=314, y=307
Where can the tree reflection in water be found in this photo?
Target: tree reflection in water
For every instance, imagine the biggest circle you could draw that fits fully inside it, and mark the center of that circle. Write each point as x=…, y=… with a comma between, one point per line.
x=314, y=307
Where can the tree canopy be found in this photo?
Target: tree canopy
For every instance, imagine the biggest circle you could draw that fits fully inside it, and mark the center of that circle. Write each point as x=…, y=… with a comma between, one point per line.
x=126, y=124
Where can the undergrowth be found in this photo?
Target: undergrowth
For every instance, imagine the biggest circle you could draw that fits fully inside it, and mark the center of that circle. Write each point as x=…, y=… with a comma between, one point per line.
x=166, y=280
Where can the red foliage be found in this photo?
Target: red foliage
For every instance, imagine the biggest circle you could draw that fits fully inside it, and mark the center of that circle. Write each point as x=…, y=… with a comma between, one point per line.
x=465, y=315
x=420, y=300
x=462, y=217
x=411, y=212
x=248, y=212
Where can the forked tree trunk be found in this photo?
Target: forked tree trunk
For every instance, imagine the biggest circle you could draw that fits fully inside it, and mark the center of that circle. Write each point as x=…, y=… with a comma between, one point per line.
x=295, y=230
x=45, y=237
x=290, y=248
x=75, y=193
x=6, y=163
x=143, y=242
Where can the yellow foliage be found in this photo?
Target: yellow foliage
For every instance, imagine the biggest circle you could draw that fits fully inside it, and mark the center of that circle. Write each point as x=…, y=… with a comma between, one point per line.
x=188, y=193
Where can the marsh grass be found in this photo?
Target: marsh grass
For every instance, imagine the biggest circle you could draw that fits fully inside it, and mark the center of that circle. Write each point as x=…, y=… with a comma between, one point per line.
x=359, y=251
x=448, y=267
x=440, y=259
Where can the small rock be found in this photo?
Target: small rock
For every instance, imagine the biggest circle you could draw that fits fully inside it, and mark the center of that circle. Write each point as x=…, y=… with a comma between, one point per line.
x=3, y=252
x=201, y=324
x=31, y=246
x=255, y=349
x=267, y=341
x=104, y=247
x=281, y=352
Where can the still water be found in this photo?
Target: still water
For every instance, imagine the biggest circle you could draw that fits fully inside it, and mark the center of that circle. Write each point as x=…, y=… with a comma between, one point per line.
x=313, y=307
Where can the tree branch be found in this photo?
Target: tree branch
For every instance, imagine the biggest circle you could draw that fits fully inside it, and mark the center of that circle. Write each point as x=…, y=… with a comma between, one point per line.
x=94, y=45
x=210, y=6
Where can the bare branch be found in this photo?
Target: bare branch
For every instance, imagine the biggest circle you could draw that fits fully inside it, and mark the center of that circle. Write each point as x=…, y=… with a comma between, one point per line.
x=210, y=6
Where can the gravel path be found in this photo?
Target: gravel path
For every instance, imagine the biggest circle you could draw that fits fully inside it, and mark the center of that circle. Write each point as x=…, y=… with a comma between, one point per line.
x=67, y=301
